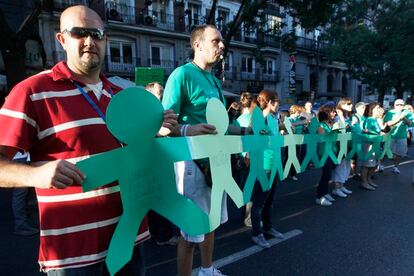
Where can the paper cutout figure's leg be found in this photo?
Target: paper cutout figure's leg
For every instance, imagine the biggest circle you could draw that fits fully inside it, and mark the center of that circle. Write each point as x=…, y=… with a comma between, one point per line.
x=277, y=168
x=264, y=181
x=122, y=242
x=215, y=207
x=288, y=164
x=95, y=178
x=192, y=220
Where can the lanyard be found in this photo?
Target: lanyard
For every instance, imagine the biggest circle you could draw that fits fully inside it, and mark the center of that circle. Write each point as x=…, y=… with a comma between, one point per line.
x=215, y=83
x=90, y=101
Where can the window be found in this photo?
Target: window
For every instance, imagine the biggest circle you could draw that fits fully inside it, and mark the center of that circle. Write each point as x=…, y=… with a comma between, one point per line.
x=162, y=56
x=248, y=64
x=273, y=24
x=121, y=56
x=194, y=14
x=222, y=18
x=121, y=52
x=269, y=67
x=229, y=62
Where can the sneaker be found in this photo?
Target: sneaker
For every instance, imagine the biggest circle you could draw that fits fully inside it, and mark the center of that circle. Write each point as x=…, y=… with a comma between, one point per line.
x=381, y=168
x=329, y=197
x=261, y=241
x=323, y=201
x=396, y=170
x=207, y=272
x=274, y=233
x=339, y=192
x=172, y=241
x=294, y=178
x=346, y=191
x=366, y=186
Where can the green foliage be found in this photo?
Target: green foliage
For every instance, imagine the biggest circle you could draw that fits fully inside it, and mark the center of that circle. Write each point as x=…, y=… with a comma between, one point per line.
x=375, y=39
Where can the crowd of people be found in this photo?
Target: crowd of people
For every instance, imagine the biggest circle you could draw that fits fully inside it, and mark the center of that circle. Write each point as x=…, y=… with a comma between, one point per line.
x=58, y=117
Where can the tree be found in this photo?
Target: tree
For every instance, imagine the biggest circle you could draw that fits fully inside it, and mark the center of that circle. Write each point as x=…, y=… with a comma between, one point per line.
x=309, y=13
x=376, y=40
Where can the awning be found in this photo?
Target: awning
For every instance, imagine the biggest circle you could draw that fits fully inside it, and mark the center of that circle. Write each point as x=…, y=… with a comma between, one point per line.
x=123, y=83
x=230, y=94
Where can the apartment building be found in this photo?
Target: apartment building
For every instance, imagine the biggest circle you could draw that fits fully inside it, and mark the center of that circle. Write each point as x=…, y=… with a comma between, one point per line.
x=145, y=33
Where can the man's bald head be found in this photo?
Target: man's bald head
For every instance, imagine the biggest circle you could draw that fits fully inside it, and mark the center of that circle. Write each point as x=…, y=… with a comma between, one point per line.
x=80, y=16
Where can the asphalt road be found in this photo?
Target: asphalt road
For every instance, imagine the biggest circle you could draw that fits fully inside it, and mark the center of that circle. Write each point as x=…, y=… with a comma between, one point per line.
x=368, y=233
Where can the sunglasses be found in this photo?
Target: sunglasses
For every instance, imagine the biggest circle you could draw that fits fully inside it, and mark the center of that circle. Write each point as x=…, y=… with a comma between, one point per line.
x=78, y=33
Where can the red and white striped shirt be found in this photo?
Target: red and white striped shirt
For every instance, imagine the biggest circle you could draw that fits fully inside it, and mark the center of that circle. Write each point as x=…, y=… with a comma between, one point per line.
x=47, y=116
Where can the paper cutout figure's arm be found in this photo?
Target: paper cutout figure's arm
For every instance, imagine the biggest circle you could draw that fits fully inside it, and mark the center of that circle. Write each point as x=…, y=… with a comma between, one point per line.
x=329, y=139
x=276, y=144
x=106, y=173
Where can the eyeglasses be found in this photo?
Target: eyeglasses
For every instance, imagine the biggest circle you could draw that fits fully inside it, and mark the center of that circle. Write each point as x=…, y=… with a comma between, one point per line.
x=348, y=103
x=78, y=33
x=399, y=105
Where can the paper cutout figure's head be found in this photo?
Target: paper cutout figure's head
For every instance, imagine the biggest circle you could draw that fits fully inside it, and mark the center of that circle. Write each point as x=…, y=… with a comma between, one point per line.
x=258, y=123
x=288, y=125
x=313, y=126
x=216, y=115
x=273, y=125
x=127, y=118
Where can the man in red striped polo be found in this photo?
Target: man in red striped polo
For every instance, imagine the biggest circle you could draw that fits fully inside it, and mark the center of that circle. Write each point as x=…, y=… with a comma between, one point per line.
x=59, y=117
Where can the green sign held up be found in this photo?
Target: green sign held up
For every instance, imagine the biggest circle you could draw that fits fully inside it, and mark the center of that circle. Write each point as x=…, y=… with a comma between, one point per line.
x=145, y=75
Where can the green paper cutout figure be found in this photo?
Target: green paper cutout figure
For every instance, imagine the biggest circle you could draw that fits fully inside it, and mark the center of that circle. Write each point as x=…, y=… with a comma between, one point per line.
x=356, y=145
x=387, y=147
x=330, y=140
x=291, y=141
x=311, y=140
x=136, y=166
x=343, y=138
x=276, y=144
x=256, y=144
x=218, y=149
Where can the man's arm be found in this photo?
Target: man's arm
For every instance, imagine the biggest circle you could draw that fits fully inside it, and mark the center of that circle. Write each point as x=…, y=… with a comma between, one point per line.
x=55, y=174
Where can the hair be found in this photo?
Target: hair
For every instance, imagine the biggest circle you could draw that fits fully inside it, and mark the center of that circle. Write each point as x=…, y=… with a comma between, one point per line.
x=151, y=85
x=265, y=97
x=324, y=112
x=369, y=108
x=341, y=102
x=198, y=33
x=247, y=99
x=296, y=108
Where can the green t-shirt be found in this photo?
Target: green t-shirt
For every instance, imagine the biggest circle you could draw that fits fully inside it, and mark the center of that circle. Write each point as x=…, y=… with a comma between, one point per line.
x=187, y=91
x=299, y=128
x=357, y=122
x=268, y=154
x=371, y=126
x=398, y=131
x=321, y=147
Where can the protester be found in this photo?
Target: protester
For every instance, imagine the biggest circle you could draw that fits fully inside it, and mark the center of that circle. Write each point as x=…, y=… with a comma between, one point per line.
x=399, y=131
x=326, y=115
x=58, y=117
x=341, y=172
x=187, y=90
x=233, y=111
x=298, y=125
x=308, y=112
x=370, y=126
x=248, y=103
x=262, y=207
x=156, y=89
x=357, y=120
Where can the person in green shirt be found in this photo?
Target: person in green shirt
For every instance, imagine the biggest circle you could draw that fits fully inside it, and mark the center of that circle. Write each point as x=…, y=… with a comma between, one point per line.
x=326, y=115
x=399, y=131
x=261, y=211
x=186, y=92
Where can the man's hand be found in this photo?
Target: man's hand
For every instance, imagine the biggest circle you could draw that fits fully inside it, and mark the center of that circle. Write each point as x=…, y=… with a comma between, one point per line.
x=200, y=129
x=169, y=123
x=56, y=174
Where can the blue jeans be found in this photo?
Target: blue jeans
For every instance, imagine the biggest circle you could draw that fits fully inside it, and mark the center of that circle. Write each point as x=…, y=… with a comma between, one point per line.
x=262, y=207
x=135, y=267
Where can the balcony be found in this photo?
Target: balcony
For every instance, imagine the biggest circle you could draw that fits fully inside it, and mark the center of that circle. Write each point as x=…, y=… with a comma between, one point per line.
x=167, y=65
x=272, y=41
x=152, y=18
x=254, y=75
x=117, y=67
x=272, y=77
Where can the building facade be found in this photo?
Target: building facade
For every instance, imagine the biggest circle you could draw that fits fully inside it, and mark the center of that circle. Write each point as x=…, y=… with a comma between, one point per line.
x=145, y=33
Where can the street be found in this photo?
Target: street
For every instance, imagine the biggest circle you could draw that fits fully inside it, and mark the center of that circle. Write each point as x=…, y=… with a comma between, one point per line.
x=368, y=233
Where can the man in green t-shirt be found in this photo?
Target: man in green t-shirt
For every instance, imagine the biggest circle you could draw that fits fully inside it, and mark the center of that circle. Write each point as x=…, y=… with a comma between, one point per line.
x=186, y=92
x=399, y=131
